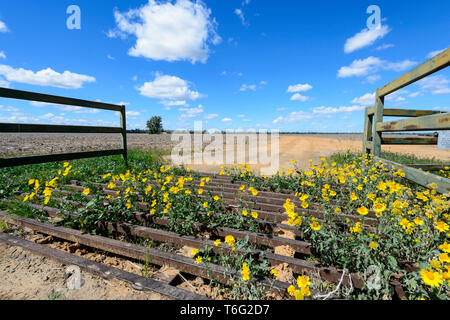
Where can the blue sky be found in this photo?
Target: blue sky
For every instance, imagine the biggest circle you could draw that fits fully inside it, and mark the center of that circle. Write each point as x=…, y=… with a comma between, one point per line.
x=287, y=65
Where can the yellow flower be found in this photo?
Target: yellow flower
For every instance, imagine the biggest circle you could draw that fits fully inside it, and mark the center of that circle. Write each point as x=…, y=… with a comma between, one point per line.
x=230, y=240
x=441, y=226
x=353, y=197
x=431, y=278
x=128, y=205
x=303, y=282
x=87, y=191
x=200, y=191
x=373, y=245
x=198, y=260
x=254, y=192
x=292, y=161
x=357, y=228
x=244, y=212
x=205, y=204
x=445, y=247
x=443, y=257
x=337, y=210
x=305, y=205
x=275, y=273
x=418, y=221
x=315, y=226
x=194, y=252
x=31, y=181
x=47, y=199
x=299, y=295
x=66, y=164
x=363, y=211
x=291, y=290
x=216, y=198
x=254, y=215
x=245, y=272
x=217, y=242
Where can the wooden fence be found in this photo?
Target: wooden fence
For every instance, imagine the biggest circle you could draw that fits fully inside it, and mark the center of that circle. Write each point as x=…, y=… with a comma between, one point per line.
x=417, y=120
x=40, y=128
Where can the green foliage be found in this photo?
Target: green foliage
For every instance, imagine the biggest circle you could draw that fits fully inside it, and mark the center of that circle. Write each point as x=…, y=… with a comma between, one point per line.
x=154, y=125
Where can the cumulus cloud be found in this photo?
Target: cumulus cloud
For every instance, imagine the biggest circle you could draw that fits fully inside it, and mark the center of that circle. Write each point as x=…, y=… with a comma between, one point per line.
x=246, y=87
x=362, y=67
x=2, y=55
x=330, y=110
x=173, y=91
x=46, y=77
x=191, y=112
x=3, y=27
x=299, y=87
x=299, y=97
x=434, y=53
x=365, y=37
x=365, y=100
x=211, y=116
x=438, y=84
x=169, y=31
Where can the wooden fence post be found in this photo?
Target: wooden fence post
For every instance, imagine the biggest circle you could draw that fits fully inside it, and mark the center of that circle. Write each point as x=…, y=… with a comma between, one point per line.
x=123, y=125
x=367, y=134
x=377, y=118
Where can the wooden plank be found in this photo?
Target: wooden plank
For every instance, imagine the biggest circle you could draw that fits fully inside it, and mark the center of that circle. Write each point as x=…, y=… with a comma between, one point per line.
x=44, y=128
x=101, y=270
x=431, y=167
x=408, y=113
x=298, y=265
x=439, y=121
x=436, y=63
x=377, y=118
x=370, y=111
x=20, y=161
x=409, y=140
x=205, y=270
x=123, y=125
x=420, y=177
x=34, y=96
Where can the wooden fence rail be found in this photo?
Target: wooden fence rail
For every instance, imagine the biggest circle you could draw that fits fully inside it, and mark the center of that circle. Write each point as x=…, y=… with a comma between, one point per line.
x=416, y=120
x=43, y=128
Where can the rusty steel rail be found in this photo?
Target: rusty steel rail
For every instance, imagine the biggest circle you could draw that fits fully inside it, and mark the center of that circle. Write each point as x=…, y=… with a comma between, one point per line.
x=34, y=128
x=417, y=120
x=102, y=270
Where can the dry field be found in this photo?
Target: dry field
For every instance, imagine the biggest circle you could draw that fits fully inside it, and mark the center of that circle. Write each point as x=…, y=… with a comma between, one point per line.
x=299, y=147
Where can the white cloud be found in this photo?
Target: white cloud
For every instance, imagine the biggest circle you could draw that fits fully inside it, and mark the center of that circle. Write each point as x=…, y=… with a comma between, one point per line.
x=174, y=103
x=2, y=55
x=414, y=94
x=46, y=77
x=435, y=84
x=110, y=57
x=365, y=100
x=73, y=109
x=241, y=16
x=133, y=113
x=211, y=116
x=299, y=97
x=3, y=27
x=365, y=37
x=167, y=87
x=299, y=88
x=373, y=78
x=371, y=64
x=169, y=31
x=226, y=120
x=191, y=112
x=434, y=53
x=4, y=83
x=246, y=87
x=294, y=117
x=8, y=109
x=385, y=46
x=330, y=110
x=241, y=115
